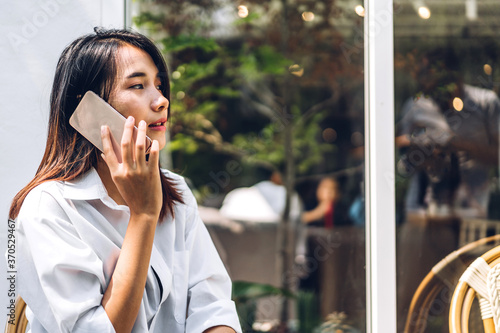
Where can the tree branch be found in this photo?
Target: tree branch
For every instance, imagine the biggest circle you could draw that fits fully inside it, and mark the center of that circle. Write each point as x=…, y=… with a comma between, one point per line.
x=318, y=107
x=228, y=149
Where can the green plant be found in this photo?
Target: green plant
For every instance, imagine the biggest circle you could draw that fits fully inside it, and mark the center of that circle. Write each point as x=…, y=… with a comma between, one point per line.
x=308, y=312
x=246, y=294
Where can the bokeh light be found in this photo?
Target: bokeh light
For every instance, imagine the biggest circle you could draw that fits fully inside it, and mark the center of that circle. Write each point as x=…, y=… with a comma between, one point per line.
x=360, y=10
x=458, y=104
x=242, y=11
x=308, y=16
x=487, y=69
x=296, y=70
x=424, y=12
x=329, y=135
x=176, y=75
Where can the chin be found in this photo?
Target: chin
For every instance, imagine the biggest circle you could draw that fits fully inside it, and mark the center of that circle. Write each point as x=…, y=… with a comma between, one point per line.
x=160, y=138
x=161, y=142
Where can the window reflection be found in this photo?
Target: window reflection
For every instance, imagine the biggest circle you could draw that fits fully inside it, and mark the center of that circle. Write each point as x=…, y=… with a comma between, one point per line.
x=267, y=106
x=447, y=124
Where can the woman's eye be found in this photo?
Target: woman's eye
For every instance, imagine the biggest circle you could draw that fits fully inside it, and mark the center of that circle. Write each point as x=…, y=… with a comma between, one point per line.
x=159, y=87
x=137, y=86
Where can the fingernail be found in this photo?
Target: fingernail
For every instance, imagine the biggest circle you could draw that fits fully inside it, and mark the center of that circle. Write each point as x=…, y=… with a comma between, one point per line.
x=142, y=123
x=130, y=119
x=103, y=129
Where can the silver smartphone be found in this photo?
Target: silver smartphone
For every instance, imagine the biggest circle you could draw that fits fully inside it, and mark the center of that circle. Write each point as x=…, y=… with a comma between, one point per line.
x=92, y=113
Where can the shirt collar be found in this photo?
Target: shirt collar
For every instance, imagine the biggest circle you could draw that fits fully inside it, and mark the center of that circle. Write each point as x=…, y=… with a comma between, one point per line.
x=85, y=187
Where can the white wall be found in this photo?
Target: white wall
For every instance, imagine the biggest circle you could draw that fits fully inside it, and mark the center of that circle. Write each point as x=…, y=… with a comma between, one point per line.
x=32, y=35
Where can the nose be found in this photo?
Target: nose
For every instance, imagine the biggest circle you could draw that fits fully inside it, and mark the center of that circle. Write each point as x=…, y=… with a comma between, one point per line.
x=159, y=102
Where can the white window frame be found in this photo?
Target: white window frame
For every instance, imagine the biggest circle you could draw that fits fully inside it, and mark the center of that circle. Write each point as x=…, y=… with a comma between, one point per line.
x=379, y=168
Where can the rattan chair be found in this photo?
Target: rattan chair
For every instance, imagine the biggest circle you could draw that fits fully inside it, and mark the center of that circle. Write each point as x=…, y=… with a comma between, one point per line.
x=20, y=321
x=480, y=286
x=445, y=274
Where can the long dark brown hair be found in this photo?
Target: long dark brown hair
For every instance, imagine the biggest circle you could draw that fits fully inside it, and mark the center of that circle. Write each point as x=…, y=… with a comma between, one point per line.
x=89, y=63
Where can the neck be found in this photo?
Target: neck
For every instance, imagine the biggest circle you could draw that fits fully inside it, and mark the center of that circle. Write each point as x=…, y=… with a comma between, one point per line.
x=109, y=184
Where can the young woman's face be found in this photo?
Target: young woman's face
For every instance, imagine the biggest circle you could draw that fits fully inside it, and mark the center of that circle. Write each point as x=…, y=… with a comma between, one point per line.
x=137, y=91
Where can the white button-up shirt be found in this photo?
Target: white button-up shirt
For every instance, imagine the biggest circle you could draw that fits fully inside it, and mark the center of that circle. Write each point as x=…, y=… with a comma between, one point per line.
x=69, y=237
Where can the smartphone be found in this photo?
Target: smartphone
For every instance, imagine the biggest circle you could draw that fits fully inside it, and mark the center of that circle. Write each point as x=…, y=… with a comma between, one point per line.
x=92, y=113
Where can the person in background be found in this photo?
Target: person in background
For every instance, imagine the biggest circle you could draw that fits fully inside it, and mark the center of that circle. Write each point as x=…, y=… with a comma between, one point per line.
x=329, y=211
x=324, y=249
x=448, y=139
x=264, y=202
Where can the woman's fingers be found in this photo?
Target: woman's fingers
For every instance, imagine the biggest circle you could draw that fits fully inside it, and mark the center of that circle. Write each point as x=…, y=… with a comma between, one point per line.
x=108, y=152
x=132, y=146
x=140, y=145
x=154, y=155
x=127, y=143
x=137, y=180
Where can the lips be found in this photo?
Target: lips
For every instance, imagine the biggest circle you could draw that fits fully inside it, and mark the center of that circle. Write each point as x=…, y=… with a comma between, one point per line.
x=158, y=123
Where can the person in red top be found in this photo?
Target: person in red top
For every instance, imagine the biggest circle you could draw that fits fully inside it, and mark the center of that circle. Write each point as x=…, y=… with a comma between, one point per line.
x=328, y=195
x=325, y=249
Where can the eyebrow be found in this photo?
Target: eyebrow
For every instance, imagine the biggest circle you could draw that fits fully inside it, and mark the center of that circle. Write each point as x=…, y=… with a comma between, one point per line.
x=136, y=74
x=140, y=74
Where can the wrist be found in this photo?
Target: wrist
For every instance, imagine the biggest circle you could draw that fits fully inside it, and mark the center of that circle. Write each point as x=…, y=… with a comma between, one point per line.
x=144, y=218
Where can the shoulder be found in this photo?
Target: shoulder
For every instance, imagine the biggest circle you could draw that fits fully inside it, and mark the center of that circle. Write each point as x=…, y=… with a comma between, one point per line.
x=418, y=103
x=178, y=180
x=186, y=213
x=481, y=95
x=46, y=203
x=45, y=195
x=182, y=187
x=419, y=110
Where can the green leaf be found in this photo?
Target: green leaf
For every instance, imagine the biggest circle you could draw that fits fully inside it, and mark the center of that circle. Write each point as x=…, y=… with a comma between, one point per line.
x=246, y=20
x=182, y=42
x=219, y=91
x=148, y=19
x=243, y=291
x=272, y=61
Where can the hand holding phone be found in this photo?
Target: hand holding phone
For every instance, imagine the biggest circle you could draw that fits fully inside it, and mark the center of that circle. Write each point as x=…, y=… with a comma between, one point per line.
x=135, y=174
x=92, y=113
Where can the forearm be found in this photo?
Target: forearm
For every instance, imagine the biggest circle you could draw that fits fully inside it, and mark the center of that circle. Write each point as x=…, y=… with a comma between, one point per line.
x=485, y=153
x=313, y=215
x=123, y=296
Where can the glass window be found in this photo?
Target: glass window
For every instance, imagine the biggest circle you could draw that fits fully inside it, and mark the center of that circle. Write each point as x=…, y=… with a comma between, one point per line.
x=267, y=124
x=447, y=121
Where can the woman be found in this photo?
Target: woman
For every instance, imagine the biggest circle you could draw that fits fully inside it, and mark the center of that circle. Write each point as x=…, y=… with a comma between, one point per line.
x=110, y=244
x=330, y=210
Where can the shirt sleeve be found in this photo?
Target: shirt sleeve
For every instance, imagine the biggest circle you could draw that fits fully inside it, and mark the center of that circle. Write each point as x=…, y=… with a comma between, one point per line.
x=59, y=275
x=209, y=285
